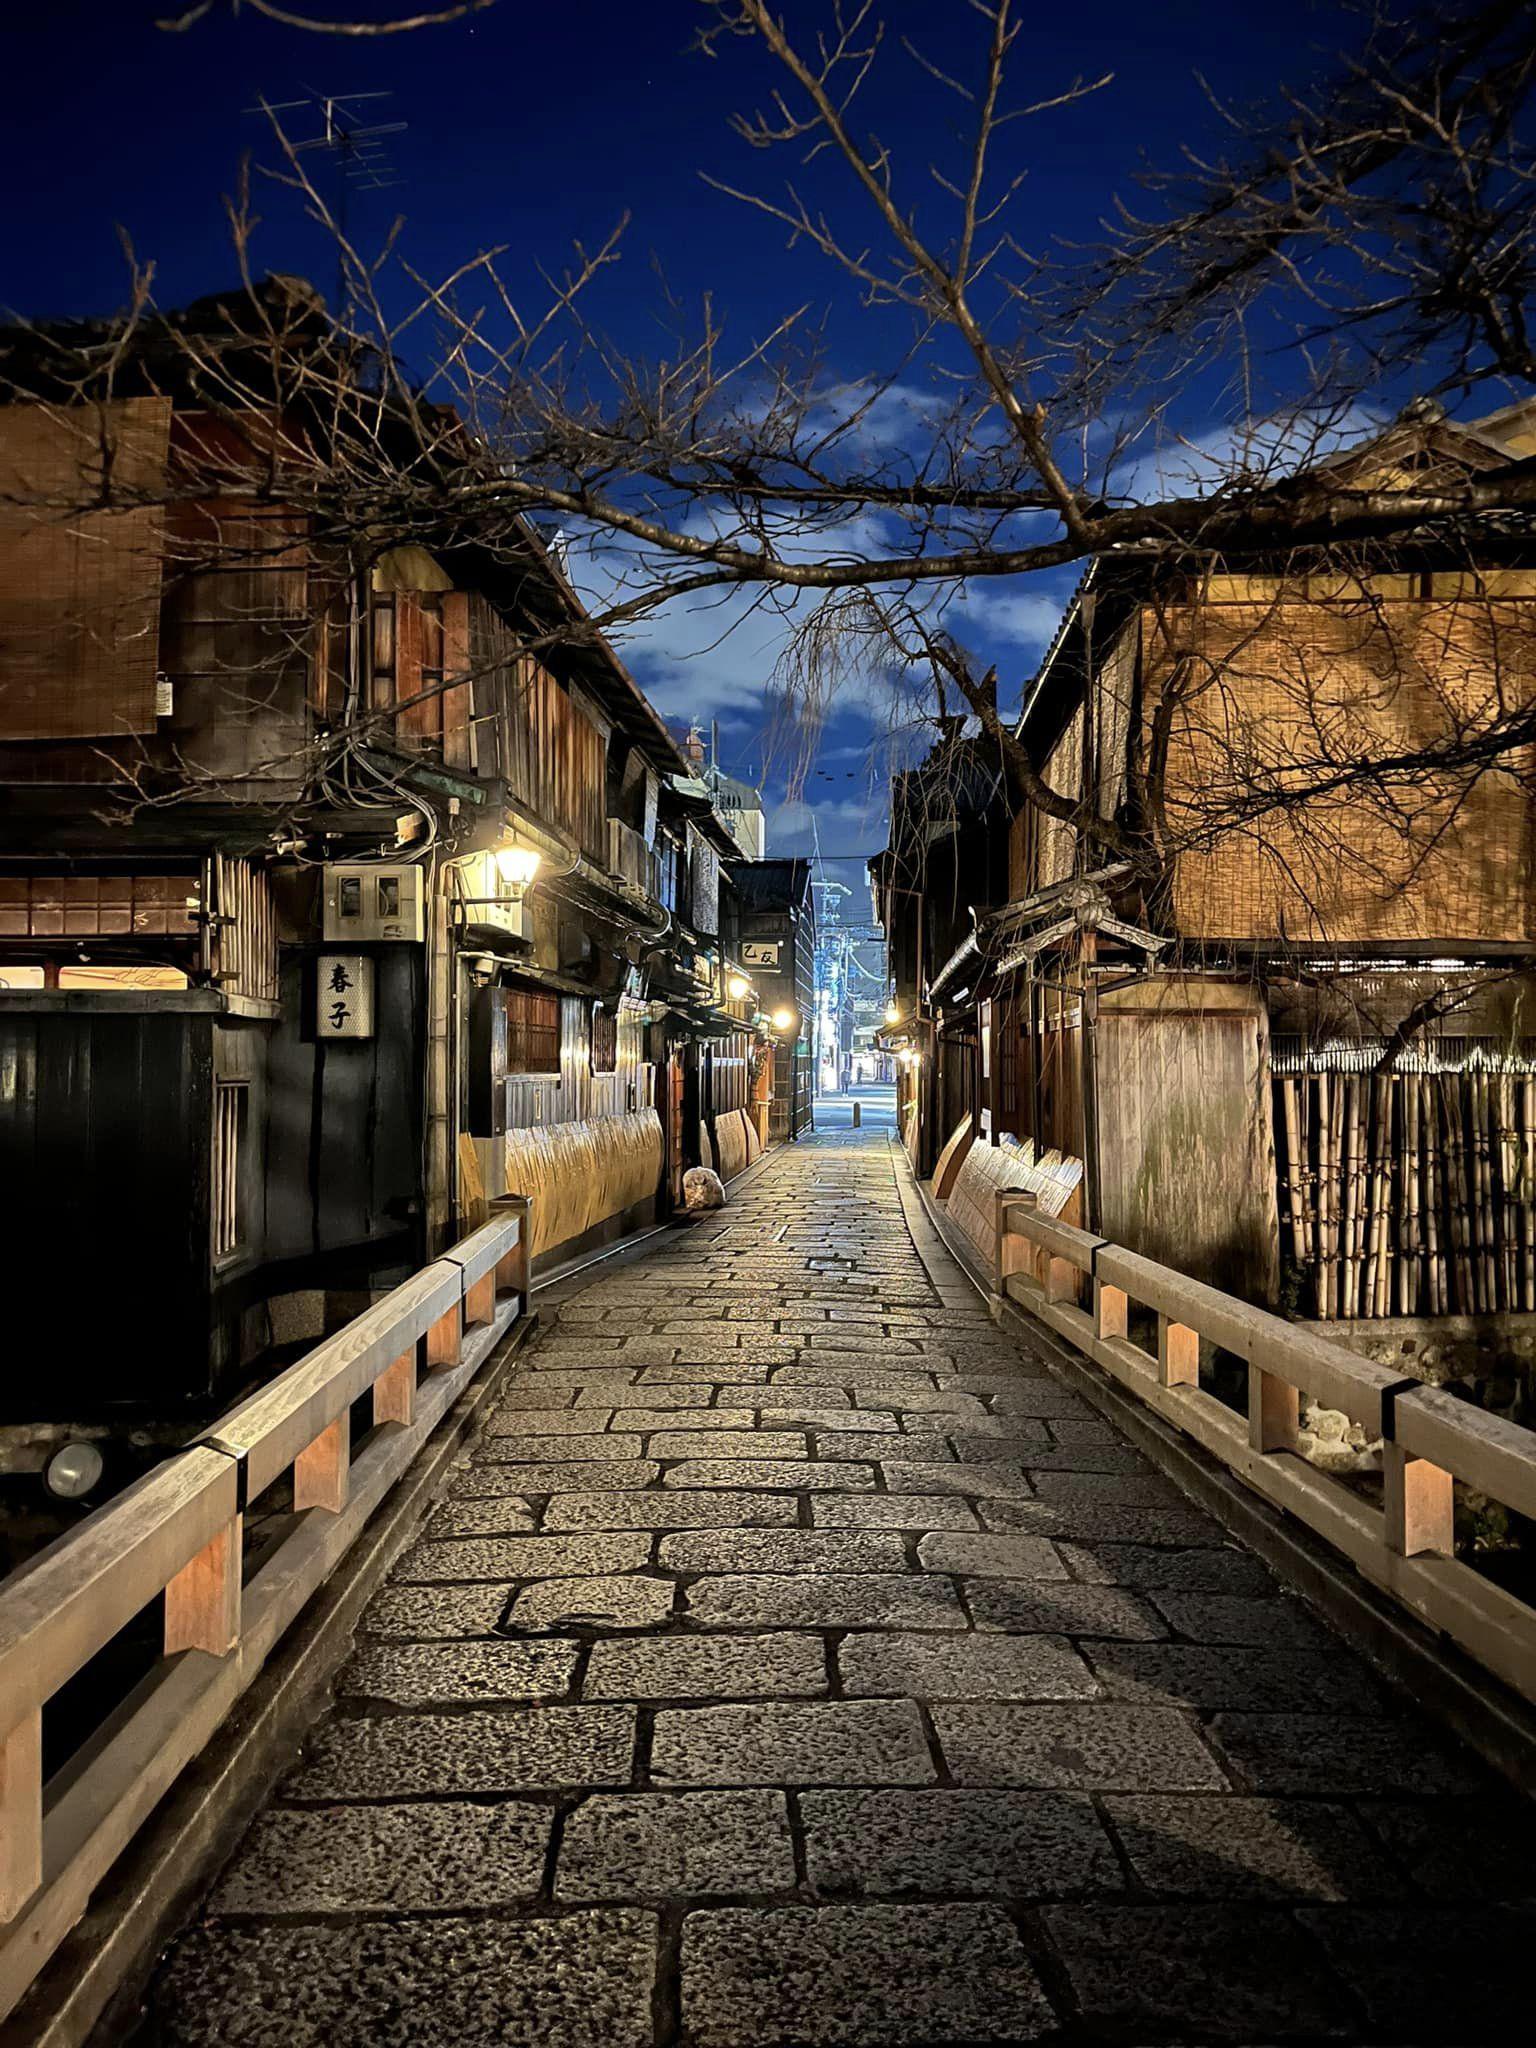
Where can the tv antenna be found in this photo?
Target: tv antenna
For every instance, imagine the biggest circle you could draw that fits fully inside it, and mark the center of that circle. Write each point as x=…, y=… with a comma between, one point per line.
x=356, y=146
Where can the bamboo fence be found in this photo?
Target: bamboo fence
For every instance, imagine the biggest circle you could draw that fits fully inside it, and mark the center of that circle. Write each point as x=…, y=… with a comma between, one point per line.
x=1411, y=1193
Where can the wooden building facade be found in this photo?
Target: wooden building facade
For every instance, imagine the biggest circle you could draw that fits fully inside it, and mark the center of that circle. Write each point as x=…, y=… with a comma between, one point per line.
x=328, y=912
x=1292, y=1048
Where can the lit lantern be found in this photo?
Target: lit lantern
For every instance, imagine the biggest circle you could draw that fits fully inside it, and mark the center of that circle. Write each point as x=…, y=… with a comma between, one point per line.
x=517, y=865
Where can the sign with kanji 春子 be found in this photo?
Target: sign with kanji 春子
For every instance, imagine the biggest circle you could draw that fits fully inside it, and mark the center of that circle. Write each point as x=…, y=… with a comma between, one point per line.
x=344, y=996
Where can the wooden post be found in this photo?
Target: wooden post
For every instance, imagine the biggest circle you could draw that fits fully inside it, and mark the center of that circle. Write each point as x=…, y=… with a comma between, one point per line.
x=1013, y=1253
x=21, y=1813
x=512, y=1269
x=322, y=1469
x=480, y=1299
x=1060, y=1280
x=1178, y=1354
x=1273, y=1412
x=1111, y=1310
x=445, y=1339
x=202, y=1602
x=1419, y=1504
x=394, y=1391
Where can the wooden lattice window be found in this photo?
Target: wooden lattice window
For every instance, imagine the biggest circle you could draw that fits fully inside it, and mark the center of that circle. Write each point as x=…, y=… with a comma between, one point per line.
x=533, y=1032
x=231, y=1105
x=605, y=1040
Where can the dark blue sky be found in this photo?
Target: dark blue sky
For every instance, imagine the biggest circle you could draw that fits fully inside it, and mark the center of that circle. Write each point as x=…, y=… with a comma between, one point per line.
x=537, y=124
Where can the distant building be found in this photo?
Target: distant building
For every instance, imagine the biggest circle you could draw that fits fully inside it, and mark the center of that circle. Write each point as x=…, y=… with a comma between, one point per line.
x=778, y=950
x=739, y=803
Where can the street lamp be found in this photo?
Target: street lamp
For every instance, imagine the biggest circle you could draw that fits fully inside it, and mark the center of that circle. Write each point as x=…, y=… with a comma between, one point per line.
x=893, y=1012
x=517, y=865
x=783, y=1020
x=738, y=987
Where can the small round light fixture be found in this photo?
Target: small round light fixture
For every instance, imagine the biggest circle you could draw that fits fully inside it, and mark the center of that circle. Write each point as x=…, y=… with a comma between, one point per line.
x=517, y=865
x=737, y=987
x=893, y=1012
x=783, y=1020
x=73, y=1471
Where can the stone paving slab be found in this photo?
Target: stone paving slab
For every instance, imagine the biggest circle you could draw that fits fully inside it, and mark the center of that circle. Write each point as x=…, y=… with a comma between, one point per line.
x=634, y=1602
x=1076, y=1749
x=796, y=1661
x=390, y=1859
x=703, y=1510
x=991, y=1844
x=1276, y=1849
x=414, y=1612
x=782, y=1550
x=628, y=1845
x=1144, y=1970
x=581, y=1981
x=967, y=1667
x=522, y=1557
x=858, y=1977
x=853, y=1742
x=770, y=1666
x=539, y=1749
x=433, y=1674
x=823, y=1600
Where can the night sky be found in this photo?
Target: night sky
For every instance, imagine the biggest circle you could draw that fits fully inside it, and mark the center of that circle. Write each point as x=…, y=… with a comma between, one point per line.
x=537, y=124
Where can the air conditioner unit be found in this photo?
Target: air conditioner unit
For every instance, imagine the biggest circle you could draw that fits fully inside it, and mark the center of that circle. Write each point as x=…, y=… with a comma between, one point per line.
x=366, y=902
x=628, y=854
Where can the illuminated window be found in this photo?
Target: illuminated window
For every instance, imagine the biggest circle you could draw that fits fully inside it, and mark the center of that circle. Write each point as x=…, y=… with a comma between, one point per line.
x=605, y=1041
x=533, y=1031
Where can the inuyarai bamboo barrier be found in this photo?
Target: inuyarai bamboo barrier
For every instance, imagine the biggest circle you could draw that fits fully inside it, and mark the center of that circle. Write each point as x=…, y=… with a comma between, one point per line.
x=1411, y=1193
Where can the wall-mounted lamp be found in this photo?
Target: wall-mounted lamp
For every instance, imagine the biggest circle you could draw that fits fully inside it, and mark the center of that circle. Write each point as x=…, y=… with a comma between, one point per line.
x=893, y=1012
x=517, y=865
x=738, y=987
x=783, y=1020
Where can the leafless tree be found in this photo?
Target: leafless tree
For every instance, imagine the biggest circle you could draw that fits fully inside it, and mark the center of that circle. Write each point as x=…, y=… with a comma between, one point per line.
x=1368, y=238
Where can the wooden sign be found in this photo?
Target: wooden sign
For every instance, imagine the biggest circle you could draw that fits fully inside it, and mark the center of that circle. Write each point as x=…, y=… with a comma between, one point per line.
x=344, y=996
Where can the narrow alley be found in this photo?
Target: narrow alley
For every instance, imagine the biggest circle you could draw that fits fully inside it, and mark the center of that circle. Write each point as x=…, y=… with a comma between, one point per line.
x=796, y=1660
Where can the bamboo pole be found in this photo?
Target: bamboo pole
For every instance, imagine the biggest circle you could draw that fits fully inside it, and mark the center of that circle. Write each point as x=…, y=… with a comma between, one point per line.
x=1386, y=1090
x=1528, y=1189
x=1331, y=1097
x=1293, y=1168
x=1509, y=1168
x=1410, y=1223
x=1375, y=1089
x=1433, y=1237
x=1350, y=1091
x=1458, y=1194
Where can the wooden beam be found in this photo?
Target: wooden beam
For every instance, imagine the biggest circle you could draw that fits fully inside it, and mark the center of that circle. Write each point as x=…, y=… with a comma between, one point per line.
x=394, y=1391
x=320, y=1472
x=202, y=1602
x=21, y=1813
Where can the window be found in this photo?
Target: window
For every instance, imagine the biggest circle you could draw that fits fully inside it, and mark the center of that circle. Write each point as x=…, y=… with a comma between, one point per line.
x=533, y=1031
x=231, y=1103
x=605, y=1040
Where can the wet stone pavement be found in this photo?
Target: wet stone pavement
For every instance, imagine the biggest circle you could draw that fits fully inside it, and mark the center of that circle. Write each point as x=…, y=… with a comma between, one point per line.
x=794, y=1660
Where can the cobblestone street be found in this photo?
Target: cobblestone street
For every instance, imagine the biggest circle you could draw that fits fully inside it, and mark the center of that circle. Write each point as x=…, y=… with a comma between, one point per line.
x=795, y=1660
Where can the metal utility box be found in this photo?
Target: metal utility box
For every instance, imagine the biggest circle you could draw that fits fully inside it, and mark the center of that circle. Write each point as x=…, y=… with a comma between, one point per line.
x=365, y=902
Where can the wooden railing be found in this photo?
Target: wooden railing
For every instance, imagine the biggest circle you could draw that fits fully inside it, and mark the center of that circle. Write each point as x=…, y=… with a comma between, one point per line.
x=178, y=1532
x=1429, y=1440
